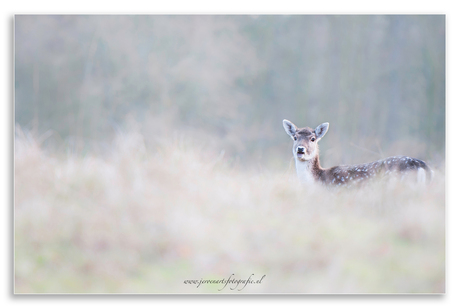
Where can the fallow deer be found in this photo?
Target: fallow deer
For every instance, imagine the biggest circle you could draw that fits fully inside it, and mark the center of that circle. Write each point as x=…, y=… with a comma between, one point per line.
x=309, y=170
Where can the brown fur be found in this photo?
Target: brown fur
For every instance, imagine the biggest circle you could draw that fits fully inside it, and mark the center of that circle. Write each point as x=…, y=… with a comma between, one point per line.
x=306, y=152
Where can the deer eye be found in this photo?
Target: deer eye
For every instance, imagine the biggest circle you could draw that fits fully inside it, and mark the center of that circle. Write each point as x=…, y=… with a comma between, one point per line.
x=295, y=138
x=313, y=139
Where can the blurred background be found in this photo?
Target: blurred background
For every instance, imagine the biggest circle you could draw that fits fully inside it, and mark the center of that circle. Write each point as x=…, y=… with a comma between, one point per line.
x=150, y=150
x=379, y=80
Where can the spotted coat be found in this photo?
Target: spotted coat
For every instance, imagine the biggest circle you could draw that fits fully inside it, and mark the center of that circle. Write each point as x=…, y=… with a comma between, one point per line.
x=306, y=154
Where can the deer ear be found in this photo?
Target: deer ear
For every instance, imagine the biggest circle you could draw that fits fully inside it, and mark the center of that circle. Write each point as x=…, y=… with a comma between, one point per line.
x=290, y=128
x=321, y=130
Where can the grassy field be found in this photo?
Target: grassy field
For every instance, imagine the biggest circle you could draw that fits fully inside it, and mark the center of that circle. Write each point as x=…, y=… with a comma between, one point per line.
x=143, y=220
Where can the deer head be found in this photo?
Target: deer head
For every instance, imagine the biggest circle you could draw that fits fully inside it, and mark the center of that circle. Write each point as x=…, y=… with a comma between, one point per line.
x=305, y=139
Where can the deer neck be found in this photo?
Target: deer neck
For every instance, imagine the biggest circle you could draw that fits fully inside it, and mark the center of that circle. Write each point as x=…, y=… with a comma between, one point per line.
x=308, y=171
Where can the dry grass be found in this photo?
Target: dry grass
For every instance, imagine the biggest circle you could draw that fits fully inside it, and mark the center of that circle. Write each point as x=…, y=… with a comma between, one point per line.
x=141, y=221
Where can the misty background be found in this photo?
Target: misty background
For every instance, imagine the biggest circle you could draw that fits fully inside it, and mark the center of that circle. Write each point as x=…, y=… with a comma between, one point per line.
x=229, y=81
x=150, y=150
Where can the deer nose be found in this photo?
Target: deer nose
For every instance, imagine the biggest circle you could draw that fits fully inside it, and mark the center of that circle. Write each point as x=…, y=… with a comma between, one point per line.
x=301, y=150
